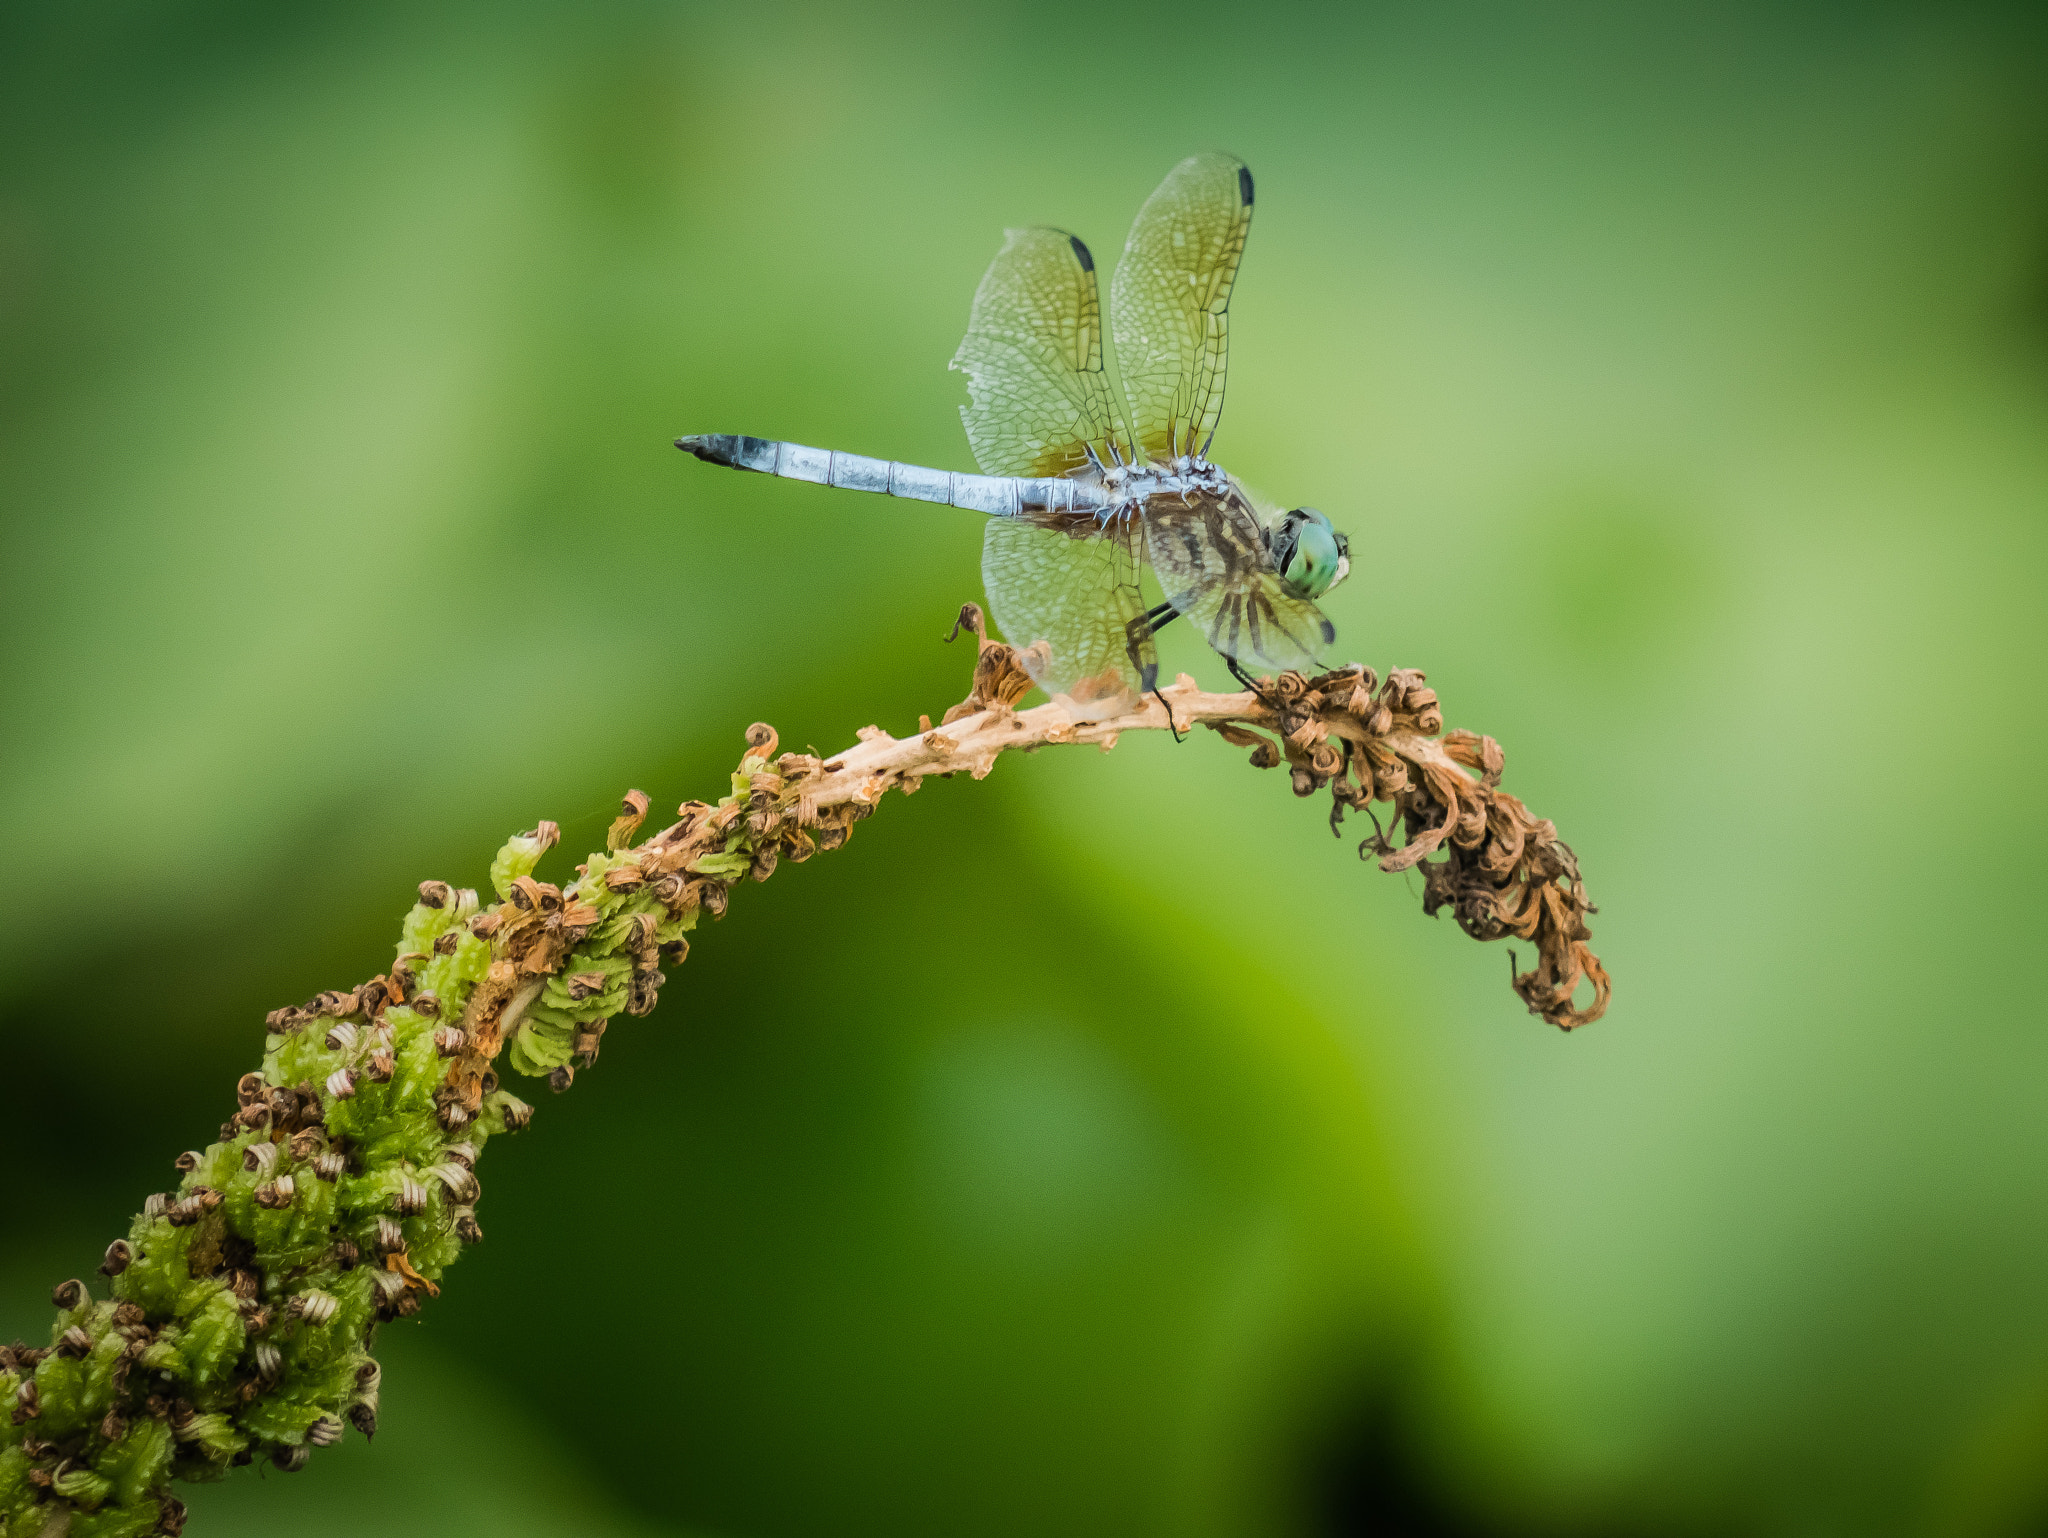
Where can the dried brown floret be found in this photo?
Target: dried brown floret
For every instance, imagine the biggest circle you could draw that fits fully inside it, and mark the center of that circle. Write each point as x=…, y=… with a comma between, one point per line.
x=999, y=677
x=632, y=812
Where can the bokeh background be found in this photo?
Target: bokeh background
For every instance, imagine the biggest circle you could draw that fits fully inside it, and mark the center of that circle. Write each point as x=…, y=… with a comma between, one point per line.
x=1100, y=1148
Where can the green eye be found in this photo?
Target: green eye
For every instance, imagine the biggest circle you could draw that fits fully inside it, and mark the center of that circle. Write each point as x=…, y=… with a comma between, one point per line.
x=1315, y=561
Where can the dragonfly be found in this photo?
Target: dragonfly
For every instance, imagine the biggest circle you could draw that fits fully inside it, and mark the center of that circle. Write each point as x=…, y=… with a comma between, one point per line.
x=1086, y=493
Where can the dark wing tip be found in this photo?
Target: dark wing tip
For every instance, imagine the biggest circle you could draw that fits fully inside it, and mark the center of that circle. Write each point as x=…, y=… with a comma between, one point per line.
x=1329, y=632
x=1081, y=253
x=1244, y=184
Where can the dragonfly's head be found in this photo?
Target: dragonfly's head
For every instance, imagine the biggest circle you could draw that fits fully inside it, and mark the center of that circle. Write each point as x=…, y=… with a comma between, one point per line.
x=1310, y=556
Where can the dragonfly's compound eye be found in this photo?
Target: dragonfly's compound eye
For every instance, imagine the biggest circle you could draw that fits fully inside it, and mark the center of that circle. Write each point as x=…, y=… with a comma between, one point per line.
x=1311, y=555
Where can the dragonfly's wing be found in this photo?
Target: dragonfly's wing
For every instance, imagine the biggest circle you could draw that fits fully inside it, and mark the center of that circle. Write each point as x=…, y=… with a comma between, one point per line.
x=1065, y=594
x=1210, y=557
x=1169, y=303
x=1039, y=401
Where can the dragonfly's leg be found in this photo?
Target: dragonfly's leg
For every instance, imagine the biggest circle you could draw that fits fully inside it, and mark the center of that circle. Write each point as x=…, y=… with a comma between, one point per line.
x=1138, y=635
x=1178, y=736
x=1154, y=691
x=1144, y=627
x=1138, y=647
x=1243, y=677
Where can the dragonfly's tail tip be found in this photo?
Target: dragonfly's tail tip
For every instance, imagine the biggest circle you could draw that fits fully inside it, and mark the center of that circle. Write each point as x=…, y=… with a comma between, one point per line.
x=705, y=446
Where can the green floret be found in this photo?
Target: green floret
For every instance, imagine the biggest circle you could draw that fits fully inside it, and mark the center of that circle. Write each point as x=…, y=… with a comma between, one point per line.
x=423, y=926
x=447, y=977
x=730, y=865
x=214, y=1338
x=284, y=1421
x=213, y=1436
x=119, y=1521
x=137, y=1461
x=83, y=1488
x=516, y=859
x=539, y=1047
x=61, y=1382
x=13, y=1463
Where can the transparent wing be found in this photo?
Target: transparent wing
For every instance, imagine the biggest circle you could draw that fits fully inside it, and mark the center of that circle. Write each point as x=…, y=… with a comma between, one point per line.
x=1169, y=303
x=1210, y=557
x=1033, y=360
x=1065, y=593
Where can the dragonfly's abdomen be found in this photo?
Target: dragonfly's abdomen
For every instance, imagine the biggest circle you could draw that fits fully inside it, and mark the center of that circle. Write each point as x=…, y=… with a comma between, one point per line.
x=999, y=496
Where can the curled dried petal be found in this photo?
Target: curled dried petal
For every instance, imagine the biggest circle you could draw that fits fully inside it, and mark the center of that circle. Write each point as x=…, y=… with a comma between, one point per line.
x=632, y=812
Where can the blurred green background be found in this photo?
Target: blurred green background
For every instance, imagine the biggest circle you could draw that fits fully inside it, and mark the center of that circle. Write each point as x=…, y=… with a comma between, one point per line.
x=1098, y=1149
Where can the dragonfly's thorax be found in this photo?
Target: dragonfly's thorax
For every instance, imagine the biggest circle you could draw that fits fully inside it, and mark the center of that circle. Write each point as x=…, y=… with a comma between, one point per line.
x=1127, y=488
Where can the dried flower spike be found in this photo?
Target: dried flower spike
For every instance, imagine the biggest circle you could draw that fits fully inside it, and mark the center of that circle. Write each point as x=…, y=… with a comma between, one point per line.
x=207, y=1357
